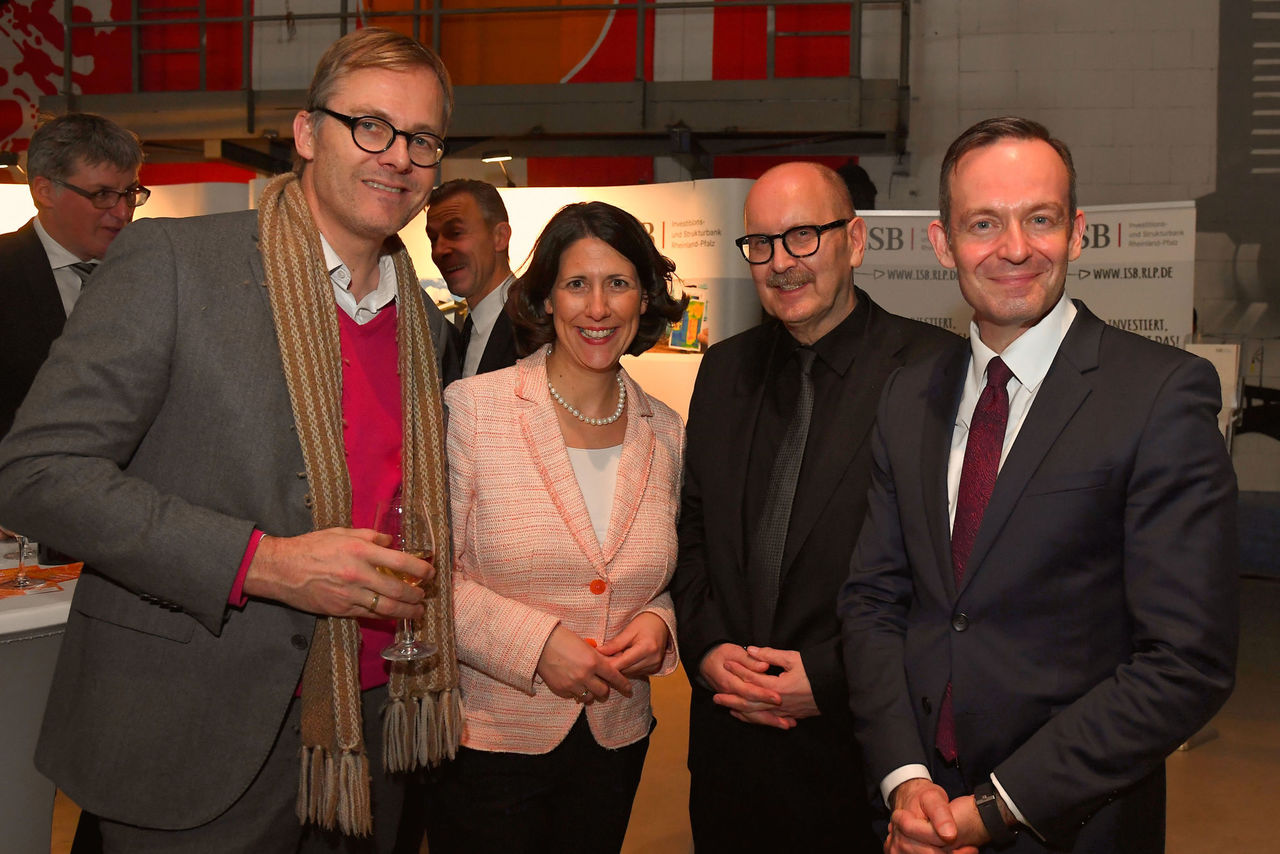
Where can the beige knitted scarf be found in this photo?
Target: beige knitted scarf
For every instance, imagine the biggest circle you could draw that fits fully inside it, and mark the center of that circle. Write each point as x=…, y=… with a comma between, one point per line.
x=423, y=719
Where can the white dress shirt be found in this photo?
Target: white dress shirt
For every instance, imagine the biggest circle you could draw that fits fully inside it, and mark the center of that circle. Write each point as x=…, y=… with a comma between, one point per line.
x=374, y=301
x=1029, y=358
x=60, y=261
x=484, y=315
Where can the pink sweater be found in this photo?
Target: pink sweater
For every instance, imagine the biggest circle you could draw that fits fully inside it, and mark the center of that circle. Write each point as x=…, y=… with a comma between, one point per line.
x=371, y=436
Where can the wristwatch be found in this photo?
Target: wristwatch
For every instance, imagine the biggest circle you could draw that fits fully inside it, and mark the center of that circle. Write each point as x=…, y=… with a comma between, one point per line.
x=987, y=801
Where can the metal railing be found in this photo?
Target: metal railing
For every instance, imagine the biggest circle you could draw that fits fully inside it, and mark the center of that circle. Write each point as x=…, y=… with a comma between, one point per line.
x=431, y=14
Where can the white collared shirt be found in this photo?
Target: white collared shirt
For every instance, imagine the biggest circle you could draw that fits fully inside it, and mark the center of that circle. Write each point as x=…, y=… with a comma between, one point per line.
x=1029, y=358
x=60, y=261
x=484, y=315
x=374, y=301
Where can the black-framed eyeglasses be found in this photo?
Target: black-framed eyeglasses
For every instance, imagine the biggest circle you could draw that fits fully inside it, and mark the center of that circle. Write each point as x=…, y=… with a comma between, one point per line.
x=376, y=135
x=800, y=242
x=106, y=199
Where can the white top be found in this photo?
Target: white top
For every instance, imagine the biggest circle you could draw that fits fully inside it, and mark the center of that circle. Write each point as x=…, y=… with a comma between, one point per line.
x=597, y=472
x=60, y=261
x=484, y=315
x=1029, y=358
x=374, y=301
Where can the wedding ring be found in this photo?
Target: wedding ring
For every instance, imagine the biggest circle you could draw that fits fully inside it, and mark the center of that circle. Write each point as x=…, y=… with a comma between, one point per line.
x=584, y=695
x=373, y=606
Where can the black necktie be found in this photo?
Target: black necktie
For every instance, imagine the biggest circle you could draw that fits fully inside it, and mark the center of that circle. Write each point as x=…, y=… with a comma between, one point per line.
x=765, y=569
x=468, y=326
x=83, y=269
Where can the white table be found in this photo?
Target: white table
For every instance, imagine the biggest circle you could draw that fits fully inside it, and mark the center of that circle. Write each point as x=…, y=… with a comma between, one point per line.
x=30, y=634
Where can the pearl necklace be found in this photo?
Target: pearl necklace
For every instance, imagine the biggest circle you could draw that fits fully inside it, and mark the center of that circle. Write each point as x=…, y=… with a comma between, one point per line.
x=594, y=422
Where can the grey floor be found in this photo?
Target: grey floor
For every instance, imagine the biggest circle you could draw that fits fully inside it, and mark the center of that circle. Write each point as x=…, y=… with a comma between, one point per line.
x=1222, y=795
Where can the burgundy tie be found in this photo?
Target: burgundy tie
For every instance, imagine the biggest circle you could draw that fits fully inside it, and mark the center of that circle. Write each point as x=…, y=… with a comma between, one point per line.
x=977, y=478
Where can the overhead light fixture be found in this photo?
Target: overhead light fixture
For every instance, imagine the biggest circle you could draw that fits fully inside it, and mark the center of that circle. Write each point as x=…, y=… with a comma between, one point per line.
x=499, y=156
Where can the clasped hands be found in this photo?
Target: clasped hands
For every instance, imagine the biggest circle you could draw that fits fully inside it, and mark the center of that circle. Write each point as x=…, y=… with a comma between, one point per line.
x=333, y=573
x=924, y=821
x=742, y=684
x=577, y=670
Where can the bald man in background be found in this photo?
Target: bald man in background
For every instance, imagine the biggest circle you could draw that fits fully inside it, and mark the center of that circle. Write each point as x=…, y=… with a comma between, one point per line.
x=772, y=755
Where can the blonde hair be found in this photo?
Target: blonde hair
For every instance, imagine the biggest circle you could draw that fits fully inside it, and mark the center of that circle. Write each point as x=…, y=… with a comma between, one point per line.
x=373, y=47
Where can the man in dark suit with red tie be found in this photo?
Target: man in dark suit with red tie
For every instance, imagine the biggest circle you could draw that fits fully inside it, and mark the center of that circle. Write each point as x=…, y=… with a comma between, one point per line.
x=1042, y=602
x=83, y=174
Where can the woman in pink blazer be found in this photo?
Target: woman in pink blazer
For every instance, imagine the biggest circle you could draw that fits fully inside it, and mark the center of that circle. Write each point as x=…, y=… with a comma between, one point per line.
x=565, y=481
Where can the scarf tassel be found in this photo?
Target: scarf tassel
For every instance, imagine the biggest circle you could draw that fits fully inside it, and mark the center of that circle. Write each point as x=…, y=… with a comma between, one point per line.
x=335, y=793
x=420, y=732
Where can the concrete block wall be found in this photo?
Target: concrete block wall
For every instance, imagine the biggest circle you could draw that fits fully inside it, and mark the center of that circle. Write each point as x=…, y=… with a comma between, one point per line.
x=1130, y=85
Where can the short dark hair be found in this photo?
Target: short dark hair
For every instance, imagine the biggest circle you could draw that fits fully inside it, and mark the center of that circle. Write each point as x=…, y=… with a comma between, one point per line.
x=60, y=145
x=492, y=210
x=532, y=324
x=988, y=132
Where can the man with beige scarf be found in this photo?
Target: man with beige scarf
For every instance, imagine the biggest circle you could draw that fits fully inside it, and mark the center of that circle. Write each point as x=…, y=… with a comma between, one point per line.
x=212, y=433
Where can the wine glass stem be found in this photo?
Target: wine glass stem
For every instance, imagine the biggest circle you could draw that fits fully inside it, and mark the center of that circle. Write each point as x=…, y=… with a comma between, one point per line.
x=22, y=560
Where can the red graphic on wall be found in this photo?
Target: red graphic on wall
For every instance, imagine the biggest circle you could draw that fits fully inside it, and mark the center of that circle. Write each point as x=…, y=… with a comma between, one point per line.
x=32, y=43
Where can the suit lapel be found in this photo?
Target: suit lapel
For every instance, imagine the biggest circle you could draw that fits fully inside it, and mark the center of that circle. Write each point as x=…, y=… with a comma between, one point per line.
x=45, y=299
x=1064, y=389
x=945, y=389
x=747, y=396
x=633, y=469
x=540, y=431
x=500, y=349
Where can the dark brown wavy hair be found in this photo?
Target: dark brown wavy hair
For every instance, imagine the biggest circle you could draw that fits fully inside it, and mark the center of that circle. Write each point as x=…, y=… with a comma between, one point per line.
x=532, y=324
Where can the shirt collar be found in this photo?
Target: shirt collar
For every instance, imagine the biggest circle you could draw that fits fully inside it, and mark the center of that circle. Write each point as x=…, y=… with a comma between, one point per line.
x=374, y=301
x=1031, y=354
x=59, y=255
x=838, y=347
x=485, y=313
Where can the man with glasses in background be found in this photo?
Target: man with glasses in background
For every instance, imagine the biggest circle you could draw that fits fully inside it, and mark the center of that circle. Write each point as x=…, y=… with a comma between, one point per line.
x=771, y=509
x=83, y=175
x=212, y=434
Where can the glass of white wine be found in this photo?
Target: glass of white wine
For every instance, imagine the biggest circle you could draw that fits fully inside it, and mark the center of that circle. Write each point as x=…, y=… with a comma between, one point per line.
x=411, y=532
x=21, y=581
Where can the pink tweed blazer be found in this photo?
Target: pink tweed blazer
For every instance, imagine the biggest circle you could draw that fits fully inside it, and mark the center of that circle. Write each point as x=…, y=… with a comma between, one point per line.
x=526, y=556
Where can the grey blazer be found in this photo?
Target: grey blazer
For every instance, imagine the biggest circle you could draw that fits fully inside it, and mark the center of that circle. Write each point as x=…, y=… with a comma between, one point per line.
x=155, y=438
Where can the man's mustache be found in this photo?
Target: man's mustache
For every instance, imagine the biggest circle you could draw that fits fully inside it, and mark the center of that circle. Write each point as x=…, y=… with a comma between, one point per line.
x=789, y=278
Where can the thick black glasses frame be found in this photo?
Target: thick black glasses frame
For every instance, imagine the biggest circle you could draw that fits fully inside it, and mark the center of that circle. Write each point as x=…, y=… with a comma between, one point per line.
x=350, y=122
x=741, y=242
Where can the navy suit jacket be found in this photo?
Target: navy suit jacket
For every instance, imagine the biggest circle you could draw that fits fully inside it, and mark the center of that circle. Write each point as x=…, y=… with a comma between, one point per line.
x=500, y=349
x=1095, y=628
x=33, y=316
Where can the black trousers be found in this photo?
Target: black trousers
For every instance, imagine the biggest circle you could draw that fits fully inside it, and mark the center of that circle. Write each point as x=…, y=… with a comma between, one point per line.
x=758, y=790
x=575, y=798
